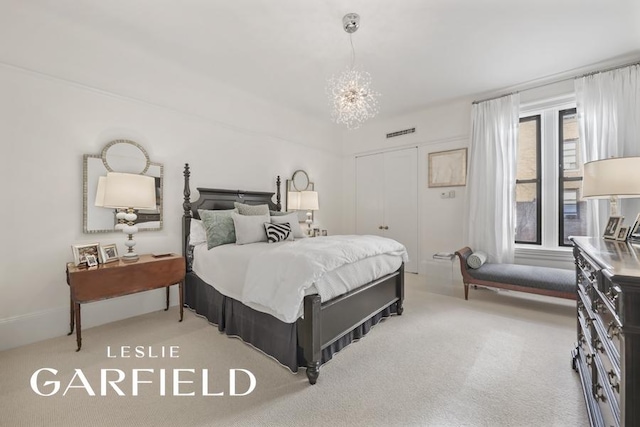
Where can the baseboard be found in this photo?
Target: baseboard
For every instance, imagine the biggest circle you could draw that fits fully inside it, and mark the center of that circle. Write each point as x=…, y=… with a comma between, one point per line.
x=33, y=327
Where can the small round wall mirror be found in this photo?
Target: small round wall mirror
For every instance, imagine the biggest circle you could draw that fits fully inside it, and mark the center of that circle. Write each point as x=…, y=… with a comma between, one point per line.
x=300, y=180
x=125, y=156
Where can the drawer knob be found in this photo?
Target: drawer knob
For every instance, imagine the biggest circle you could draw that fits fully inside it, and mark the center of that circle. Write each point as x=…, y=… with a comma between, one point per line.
x=599, y=395
x=613, y=330
x=613, y=380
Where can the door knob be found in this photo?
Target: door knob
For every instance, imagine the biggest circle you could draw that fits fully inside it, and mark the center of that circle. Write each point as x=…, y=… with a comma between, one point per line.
x=386, y=227
x=380, y=227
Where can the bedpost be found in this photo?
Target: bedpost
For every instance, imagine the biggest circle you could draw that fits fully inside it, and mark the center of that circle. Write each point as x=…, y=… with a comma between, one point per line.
x=400, y=290
x=186, y=217
x=311, y=331
x=278, y=197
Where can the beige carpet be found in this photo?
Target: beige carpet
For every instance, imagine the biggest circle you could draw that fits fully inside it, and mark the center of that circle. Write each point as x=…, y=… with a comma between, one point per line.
x=499, y=359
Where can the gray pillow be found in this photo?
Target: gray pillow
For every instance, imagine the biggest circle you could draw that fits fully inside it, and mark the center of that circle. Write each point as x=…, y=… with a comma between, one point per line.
x=292, y=219
x=250, y=228
x=244, y=209
x=278, y=213
x=219, y=227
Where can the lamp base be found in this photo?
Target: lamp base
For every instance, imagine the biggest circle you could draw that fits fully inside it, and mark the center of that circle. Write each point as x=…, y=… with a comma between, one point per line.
x=130, y=257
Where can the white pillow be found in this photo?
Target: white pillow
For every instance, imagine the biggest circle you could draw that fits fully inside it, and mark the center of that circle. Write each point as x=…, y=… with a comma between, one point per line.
x=250, y=228
x=197, y=234
x=292, y=219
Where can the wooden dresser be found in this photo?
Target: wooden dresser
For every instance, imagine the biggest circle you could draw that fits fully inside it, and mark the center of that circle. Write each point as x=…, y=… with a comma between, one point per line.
x=607, y=354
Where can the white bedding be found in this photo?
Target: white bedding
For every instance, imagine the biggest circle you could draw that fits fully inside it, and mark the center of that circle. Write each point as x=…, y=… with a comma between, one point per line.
x=225, y=268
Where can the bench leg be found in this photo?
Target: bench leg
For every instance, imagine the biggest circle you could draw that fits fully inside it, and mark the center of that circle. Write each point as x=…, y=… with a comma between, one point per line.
x=466, y=291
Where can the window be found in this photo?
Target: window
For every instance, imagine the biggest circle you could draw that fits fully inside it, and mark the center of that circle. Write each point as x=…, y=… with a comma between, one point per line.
x=528, y=188
x=571, y=223
x=549, y=207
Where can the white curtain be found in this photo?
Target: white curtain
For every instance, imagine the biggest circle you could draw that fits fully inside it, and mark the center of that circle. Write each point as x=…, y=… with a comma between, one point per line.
x=492, y=177
x=608, y=106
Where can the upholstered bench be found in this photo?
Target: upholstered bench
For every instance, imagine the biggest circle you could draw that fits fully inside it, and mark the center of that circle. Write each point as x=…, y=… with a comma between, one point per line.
x=554, y=282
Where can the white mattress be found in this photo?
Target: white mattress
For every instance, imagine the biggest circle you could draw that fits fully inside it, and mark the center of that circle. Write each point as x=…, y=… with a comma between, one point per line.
x=224, y=268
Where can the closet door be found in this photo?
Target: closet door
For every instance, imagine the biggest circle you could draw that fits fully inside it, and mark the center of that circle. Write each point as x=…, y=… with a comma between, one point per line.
x=387, y=198
x=401, y=201
x=370, y=194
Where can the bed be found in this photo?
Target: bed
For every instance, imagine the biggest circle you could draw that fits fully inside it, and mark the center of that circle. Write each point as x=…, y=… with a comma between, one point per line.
x=324, y=327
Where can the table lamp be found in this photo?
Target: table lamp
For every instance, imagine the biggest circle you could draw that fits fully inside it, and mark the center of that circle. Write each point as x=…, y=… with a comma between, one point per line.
x=308, y=202
x=129, y=192
x=614, y=178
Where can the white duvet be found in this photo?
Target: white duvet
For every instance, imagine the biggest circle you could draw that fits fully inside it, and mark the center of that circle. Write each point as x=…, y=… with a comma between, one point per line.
x=278, y=278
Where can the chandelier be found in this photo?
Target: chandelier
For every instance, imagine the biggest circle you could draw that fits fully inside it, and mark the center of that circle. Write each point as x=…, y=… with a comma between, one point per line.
x=351, y=98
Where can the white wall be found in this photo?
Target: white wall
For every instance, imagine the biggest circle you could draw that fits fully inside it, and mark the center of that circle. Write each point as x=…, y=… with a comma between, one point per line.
x=47, y=124
x=440, y=128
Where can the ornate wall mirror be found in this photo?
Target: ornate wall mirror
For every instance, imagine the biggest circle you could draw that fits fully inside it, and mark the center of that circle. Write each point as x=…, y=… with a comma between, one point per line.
x=126, y=156
x=299, y=182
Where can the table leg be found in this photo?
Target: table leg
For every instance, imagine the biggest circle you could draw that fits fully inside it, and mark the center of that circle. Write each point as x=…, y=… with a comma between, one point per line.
x=167, y=299
x=78, y=327
x=181, y=291
x=71, y=317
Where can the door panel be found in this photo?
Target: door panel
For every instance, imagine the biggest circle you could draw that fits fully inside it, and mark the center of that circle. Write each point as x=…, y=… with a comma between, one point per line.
x=401, y=201
x=369, y=194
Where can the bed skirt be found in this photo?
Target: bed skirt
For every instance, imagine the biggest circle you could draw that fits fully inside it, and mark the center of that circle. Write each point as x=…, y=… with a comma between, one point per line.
x=263, y=331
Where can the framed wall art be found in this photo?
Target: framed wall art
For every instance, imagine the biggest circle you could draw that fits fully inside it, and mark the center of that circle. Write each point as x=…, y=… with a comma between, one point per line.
x=448, y=168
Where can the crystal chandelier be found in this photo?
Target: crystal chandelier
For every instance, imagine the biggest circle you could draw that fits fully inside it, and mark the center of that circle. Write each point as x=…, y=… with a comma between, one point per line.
x=352, y=100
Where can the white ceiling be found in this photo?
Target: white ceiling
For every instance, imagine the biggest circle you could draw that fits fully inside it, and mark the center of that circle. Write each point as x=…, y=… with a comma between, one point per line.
x=419, y=52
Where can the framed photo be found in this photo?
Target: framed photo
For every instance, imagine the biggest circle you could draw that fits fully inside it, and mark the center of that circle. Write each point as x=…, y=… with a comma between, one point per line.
x=316, y=232
x=323, y=232
x=634, y=230
x=613, y=226
x=448, y=168
x=108, y=253
x=622, y=233
x=80, y=252
x=92, y=261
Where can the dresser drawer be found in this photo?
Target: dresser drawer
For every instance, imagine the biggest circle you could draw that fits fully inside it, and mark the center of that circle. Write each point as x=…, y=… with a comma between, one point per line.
x=605, y=394
x=607, y=326
x=587, y=270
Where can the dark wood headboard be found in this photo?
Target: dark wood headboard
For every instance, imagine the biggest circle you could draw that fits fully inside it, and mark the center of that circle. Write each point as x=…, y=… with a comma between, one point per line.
x=216, y=199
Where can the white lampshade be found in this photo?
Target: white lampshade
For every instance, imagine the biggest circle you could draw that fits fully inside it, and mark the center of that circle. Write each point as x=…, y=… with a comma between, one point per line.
x=102, y=183
x=308, y=201
x=618, y=177
x=293, y=200
x=126, y=190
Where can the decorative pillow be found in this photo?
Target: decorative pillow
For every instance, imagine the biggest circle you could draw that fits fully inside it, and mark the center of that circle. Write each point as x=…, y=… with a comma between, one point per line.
x=277, y=232
x=218, y=226
x=476, y=259
x=251, y=209
x=278, y=213
x=197, y=233
x=292, y=220
x=250, y=228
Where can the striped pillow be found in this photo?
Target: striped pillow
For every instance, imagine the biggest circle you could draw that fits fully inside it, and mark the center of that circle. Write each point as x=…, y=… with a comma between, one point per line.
x=277, y=232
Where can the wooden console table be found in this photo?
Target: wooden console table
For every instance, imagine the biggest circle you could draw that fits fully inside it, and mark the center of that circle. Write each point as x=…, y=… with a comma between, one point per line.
x=115, y=279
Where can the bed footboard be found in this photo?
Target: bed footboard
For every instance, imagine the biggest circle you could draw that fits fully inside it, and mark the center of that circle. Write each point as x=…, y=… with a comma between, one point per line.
x=324, y=323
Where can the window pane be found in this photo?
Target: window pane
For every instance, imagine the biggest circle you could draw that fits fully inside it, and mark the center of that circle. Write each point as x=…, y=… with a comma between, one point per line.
x=527, y=167
x=526, y=213
x=573, y=221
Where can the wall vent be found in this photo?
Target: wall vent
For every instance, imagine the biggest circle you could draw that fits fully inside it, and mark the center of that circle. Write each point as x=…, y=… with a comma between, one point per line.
x=401, y=132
